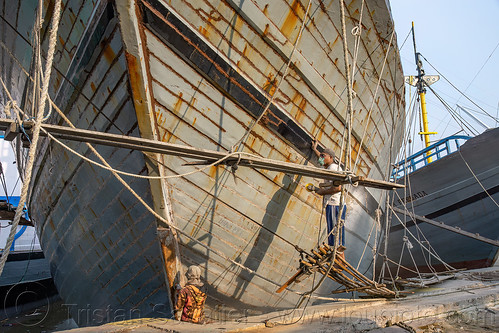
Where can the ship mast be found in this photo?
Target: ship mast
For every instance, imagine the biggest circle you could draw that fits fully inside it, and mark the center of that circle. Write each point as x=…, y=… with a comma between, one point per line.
x=419, y=82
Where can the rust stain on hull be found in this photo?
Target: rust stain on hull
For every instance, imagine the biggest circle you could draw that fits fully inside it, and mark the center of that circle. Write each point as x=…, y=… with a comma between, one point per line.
x=292, y=19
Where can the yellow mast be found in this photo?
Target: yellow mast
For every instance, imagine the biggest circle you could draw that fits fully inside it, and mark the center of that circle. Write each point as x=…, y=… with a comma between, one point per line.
x=425, y=132
x=420, y=84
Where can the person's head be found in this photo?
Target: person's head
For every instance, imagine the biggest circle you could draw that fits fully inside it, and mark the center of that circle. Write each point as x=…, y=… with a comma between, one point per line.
x=194, y=276
x=326, y=157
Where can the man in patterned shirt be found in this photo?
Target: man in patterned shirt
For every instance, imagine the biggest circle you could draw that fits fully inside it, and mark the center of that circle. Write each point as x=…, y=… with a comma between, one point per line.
x=190, y=300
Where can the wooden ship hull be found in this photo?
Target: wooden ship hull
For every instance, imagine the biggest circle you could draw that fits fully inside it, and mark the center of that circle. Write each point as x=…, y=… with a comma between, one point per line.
x=199, y=73
x=461, y=191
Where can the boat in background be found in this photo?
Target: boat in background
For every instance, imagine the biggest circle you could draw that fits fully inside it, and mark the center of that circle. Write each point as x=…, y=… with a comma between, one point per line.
x=26, y=264
x=200, y=74
x=447, y=217
x=460, y=188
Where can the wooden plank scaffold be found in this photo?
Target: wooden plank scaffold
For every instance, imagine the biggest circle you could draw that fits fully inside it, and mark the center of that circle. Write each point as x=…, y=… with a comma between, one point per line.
x=341, y=272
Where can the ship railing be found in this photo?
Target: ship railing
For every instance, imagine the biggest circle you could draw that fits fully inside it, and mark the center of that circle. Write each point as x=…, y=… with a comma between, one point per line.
x=420, y=159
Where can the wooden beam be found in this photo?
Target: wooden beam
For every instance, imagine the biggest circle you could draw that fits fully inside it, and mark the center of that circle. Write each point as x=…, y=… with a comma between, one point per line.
x=9, y=215
x=446, y=227
x=207, y=156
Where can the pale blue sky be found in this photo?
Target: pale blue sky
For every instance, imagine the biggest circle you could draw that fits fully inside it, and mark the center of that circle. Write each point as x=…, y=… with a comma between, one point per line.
x=457, y=37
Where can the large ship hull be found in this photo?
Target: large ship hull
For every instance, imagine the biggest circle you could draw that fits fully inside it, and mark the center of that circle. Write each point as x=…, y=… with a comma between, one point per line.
x=198, y=74
x=460, y=190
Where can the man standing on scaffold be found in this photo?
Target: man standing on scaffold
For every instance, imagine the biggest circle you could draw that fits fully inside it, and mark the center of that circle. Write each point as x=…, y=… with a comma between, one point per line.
x=331, y=197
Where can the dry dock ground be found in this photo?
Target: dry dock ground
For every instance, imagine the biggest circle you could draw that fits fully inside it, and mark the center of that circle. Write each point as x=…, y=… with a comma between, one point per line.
x=467, y=303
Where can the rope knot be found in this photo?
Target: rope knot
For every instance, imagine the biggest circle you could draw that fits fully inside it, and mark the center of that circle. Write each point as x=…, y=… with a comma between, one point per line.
x=356, y=30
x=349, y=176
x=234, y=166
x=407, y=242
x=300, y=250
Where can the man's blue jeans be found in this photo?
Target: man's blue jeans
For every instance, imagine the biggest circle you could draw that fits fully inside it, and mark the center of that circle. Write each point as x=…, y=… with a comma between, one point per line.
x=332, y=213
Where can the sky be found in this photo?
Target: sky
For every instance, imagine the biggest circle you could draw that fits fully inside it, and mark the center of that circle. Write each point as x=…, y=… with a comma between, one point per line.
x=460, y=39
x=9, y=168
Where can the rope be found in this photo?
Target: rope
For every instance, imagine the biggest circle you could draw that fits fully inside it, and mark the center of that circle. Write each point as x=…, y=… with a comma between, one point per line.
x=420, y=244
x=394, y=262
x=106, y=166
x=6, y=109
x=54, y=106
x=240, y=154
x=412, y=115
x=56, y=69
x=376, y=222
x=418, y=229
x=409, y=248
x=37, y=66
x=453, y=86
x=461, y=121
x=340, y=221
x=405, y=40
x=374, y=98
x=348, y=153
x=32, y=247
x=357, y=31
x=331, y=264
x=115, y=172
x=250, y=129
x=36, y=131
x=419, y=233
x=404, y=244
x=159, y=217
x=476, y=178
x=387, y=207
x=348, y=128
x=349, y=88
x=229, y=155
x=476, y=75
x=375, y=247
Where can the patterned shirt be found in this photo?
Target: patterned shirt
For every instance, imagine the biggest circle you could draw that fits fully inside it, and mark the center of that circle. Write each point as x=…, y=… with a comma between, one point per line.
x=190, y=301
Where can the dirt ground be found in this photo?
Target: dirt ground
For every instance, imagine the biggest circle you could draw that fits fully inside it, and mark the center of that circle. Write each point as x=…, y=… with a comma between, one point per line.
x=473, y=321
